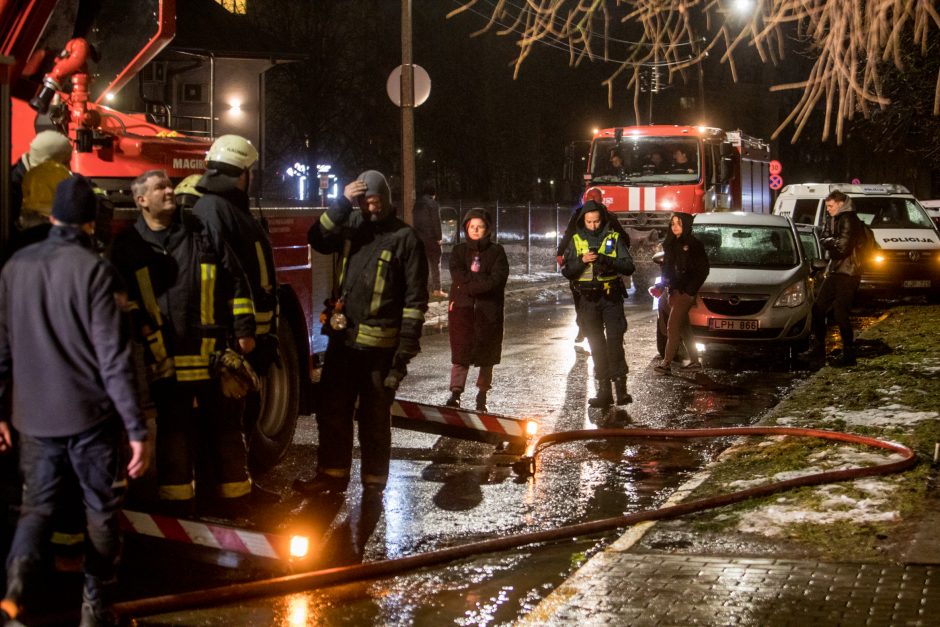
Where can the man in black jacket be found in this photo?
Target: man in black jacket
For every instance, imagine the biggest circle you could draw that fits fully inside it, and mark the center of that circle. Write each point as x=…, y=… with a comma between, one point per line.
x=374, y=325
x=843, y=235
x=427, y=222
x=61, y=325
x=224, y=209
x=188, y=300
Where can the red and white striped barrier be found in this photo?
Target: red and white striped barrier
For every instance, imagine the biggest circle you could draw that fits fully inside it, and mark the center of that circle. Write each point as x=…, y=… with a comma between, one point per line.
x=458, y=423
x=205, y=534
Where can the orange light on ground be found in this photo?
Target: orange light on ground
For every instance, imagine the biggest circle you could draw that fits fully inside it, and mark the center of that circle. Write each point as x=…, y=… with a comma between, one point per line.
x=531, y=427
x=299, y=547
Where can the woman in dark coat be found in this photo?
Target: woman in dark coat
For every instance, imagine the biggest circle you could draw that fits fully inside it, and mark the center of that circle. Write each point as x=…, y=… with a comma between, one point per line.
x=478, y=271
x=685, y=268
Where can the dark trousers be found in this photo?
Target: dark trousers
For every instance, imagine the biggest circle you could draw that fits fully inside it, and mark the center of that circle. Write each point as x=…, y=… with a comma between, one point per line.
x=348, y=375
x=197, y=425
x=433, y=254
x=836, y=293
x=98, y=458
x=604, y=325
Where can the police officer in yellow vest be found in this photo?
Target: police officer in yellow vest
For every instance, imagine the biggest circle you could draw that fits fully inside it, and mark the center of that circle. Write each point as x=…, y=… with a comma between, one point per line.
x=595, y=260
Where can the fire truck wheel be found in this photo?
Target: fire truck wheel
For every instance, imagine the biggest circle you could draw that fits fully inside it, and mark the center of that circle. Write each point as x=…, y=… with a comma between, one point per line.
x=271, y=415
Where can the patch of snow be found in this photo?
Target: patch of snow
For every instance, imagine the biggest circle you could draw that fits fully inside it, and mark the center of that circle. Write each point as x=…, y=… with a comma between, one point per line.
x=770, y=521
x=892, y=415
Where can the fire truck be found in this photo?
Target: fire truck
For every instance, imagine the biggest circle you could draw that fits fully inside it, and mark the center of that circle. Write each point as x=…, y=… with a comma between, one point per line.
x=61, y=60
x=644, y=173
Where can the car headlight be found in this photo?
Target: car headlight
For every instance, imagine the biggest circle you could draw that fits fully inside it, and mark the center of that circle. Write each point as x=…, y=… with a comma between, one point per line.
x=793, y=296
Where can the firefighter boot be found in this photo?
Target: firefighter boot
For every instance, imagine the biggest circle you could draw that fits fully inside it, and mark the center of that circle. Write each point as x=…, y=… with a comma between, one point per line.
x=97, y=603
x=481, y=401
x=620, y=387
x=454, y=400
x=604, y=396
x=322, y=483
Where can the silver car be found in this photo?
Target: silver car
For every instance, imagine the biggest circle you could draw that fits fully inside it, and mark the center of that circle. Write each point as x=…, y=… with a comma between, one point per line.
x=761, y=284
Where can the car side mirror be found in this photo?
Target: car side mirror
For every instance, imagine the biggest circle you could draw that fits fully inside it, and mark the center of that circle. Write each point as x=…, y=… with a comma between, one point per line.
x=724, y=170
x=819, y=265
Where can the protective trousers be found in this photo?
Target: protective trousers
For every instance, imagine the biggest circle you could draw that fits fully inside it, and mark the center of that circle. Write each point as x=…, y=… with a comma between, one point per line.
x=604, y=325
x=98, y=459
x=197, y=425
x=836, y=293
x=350, y=375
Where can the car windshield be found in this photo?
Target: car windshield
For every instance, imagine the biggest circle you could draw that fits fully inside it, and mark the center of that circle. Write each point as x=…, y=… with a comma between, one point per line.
x=748, y=246
x=646, y=160
x=890, y=213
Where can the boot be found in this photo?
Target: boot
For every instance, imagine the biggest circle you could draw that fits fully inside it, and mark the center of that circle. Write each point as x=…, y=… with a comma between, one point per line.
x=815, y=351
x=322, y=483
x=97, y=603
x=481, y=401
x=847, y=358
x=604, y=396
x=620, y=387
x=454, y=400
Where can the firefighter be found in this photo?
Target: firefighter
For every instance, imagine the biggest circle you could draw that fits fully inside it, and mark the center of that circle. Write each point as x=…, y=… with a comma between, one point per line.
x=374, y=323
x=224, y=210
x=186, y=193
x=65, y=344
x=189, y=300
x=595, y=259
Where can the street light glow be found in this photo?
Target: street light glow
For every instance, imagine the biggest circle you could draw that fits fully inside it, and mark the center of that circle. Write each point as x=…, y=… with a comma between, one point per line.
x=743, y=6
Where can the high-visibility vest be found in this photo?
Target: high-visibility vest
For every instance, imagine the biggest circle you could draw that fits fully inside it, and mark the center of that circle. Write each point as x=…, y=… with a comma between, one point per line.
x=608, y=248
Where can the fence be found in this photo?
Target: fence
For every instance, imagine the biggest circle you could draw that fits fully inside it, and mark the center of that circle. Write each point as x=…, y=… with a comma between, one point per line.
x=530, y=233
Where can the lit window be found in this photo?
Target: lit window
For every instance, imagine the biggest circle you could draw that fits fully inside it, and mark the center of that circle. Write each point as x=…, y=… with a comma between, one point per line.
x=234, y=6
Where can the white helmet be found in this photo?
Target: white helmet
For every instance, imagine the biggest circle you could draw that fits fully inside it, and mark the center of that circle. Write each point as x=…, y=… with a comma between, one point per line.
x=233, y=150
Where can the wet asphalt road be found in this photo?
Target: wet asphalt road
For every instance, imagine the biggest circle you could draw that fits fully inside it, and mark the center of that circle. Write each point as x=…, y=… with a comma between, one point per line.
x=445, y=492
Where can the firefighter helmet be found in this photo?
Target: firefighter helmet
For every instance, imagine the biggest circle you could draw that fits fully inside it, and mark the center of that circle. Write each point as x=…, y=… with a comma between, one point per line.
x=233, y=150
x=188, y=186
x=39, y=185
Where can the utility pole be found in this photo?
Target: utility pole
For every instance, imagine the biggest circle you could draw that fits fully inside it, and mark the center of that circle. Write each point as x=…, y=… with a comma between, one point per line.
x=407, y=115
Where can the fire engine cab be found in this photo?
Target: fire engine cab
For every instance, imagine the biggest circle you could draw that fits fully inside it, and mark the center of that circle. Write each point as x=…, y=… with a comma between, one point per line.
x=644, y=173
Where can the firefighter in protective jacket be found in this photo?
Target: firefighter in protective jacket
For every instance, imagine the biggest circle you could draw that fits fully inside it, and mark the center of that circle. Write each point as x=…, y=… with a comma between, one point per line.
x=225, y=211
x=595, y=260
x=188, y=301
x=374, y=321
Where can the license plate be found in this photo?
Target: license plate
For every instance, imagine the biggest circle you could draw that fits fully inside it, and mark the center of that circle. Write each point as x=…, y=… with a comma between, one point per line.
x=727, y=324
x=917, y=284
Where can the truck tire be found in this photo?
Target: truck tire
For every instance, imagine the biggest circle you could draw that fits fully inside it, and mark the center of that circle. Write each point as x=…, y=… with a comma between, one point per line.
x=271, y=415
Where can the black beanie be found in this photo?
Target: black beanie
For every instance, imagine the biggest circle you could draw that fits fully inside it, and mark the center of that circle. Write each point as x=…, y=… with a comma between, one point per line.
x=75, y=201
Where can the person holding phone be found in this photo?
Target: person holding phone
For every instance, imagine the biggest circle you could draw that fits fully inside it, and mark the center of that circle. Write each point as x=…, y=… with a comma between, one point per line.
x=595, y=260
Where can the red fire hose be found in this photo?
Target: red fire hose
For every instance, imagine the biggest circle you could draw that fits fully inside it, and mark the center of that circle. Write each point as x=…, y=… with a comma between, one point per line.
x=332, y=576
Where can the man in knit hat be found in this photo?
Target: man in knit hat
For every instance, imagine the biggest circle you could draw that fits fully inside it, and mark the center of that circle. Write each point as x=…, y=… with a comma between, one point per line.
x=60, y=302
x=374, y=322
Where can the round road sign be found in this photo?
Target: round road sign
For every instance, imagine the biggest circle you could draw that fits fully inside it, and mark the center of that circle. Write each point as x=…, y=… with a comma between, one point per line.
x=776, y=167
x=776, y=181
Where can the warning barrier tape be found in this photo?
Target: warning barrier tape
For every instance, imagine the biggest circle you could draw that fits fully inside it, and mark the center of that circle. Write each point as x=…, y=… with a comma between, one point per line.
x=207, y=534
x=459, y=423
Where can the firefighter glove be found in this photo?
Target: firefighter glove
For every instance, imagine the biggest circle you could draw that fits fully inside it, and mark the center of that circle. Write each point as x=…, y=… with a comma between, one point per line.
x=393, y=379
x=236, y=376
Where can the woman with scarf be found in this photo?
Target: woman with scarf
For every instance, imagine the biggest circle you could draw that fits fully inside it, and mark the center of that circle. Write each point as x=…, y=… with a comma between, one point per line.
x=478, y=270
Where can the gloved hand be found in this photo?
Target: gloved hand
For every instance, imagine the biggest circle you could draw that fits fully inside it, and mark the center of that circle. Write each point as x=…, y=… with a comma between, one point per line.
x=603, y=264
x=828, y=243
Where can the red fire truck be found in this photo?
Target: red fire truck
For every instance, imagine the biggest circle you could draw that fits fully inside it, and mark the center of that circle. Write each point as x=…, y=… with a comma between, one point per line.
x=646, y=172
x=57, y=80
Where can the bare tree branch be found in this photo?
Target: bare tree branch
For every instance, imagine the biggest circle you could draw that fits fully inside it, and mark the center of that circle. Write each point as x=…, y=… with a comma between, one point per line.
x=854, y=41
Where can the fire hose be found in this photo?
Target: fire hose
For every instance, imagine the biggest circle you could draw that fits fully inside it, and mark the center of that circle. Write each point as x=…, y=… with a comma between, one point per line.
x=300, y=582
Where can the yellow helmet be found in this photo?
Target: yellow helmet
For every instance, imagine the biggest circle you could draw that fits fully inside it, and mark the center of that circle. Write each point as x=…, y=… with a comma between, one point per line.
x=39, y=184
x=233, y=150
x=188, y=186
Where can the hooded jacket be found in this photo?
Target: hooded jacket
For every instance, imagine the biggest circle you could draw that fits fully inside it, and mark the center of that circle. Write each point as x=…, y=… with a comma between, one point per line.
x=383, y=277
x=475, y=311
x=842, y=236
x=612, y=247
x=224, y=209
x=685, y=264
x=190, y=295
x=64, y=340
